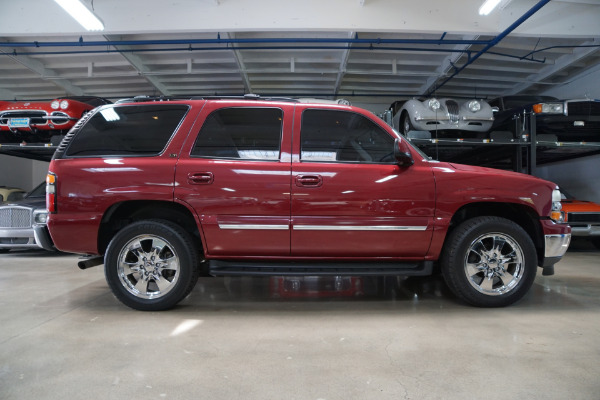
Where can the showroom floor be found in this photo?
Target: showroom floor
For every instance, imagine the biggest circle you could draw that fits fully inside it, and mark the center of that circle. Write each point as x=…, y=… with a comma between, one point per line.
x=64, y=336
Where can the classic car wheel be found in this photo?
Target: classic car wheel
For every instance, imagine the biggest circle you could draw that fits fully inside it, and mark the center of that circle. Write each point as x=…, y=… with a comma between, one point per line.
x=151, y=265
x=407, y=126
x=489, y=262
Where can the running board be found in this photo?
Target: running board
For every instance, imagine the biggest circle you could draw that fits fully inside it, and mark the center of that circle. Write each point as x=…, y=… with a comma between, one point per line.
x=230, y=268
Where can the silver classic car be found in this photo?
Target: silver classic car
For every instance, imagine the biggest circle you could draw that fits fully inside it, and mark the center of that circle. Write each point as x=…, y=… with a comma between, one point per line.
x=17, y=220
x=444, y=114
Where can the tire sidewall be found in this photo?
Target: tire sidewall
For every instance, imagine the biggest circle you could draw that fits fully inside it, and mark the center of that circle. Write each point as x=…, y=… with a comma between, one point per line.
x=180, y=242
x=455, y=253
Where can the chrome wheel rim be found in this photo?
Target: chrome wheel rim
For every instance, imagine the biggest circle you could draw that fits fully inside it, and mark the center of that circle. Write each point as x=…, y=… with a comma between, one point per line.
x=148, y=267
x=494, y=264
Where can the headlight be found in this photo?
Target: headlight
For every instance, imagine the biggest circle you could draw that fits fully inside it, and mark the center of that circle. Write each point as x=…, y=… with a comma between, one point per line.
x=556, y=214
x=64, y=104
x=55, y=104
x=41, y=217
x=434, y=104
x=549, y=108
x=474, y=106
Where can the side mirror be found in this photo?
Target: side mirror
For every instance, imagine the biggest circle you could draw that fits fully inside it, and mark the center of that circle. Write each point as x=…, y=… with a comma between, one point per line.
x=402, y=154
x=495, y=109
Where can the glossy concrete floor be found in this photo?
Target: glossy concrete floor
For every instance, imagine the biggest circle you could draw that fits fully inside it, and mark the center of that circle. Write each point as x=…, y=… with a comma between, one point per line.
x=64, y=336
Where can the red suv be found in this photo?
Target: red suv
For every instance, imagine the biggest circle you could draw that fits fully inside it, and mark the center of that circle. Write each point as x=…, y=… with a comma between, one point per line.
x=163, y=191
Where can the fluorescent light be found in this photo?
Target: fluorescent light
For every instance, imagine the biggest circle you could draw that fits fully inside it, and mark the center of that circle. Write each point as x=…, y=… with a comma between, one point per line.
x=81, y=14
x=487, y=7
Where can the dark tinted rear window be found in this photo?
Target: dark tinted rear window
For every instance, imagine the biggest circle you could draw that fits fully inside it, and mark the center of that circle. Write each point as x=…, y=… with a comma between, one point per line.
x=241, y=133
x=128, y=130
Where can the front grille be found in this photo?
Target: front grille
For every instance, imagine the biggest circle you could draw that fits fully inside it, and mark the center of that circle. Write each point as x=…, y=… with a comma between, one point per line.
x=452, y=107
x=15, y=217
x=583, y=108
x=59, y=118
x=584, y=217
x=35, y=117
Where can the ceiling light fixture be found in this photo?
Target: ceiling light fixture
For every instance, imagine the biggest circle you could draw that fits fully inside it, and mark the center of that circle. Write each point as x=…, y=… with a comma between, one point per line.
x=81, y=14
x=486, y=8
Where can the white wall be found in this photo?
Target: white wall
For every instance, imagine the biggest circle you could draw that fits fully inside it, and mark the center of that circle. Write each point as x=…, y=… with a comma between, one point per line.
x=21, y=172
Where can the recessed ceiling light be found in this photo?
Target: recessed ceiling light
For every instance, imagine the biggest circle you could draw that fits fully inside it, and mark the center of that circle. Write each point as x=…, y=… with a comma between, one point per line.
x=81, y=14
x=488, y=6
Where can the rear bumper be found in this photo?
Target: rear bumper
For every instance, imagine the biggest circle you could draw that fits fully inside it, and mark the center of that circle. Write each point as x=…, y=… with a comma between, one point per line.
x=42, y=237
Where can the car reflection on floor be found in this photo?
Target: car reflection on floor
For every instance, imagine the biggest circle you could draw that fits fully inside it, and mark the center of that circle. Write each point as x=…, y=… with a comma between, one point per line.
x=335, y=287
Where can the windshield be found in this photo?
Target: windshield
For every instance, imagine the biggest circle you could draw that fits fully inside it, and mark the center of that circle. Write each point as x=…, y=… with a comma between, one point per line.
x=519, y=101
x=39, y=191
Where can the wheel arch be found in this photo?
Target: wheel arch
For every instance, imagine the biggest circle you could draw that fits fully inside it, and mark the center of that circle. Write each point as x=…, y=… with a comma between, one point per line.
x=122, y=214
x=522, y=215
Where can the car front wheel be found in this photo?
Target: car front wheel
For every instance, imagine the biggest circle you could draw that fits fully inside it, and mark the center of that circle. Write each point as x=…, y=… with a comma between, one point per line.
x=489, y=262
x=151, y=265
x=407, y=126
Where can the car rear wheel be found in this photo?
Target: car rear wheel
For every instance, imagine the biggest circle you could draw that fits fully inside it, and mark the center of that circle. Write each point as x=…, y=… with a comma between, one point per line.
x=489, y=262
x=151, y=265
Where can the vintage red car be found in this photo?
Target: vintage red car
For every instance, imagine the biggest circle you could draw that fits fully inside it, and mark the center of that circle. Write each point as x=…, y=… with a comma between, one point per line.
x=40, y=120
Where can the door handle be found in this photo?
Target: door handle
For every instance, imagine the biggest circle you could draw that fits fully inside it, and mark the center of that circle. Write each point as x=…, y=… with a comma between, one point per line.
x=200, y=178
x=309, y=180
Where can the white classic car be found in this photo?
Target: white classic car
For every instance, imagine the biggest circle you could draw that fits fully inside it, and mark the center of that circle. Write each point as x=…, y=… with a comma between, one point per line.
x=432, y=114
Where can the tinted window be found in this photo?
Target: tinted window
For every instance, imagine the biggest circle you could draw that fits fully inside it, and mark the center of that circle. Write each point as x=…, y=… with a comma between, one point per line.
x=343, y=136
x=127, y=130
x=244, y=133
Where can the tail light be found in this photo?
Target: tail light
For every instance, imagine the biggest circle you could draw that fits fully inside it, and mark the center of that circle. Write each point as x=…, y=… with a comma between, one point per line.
x=51, y=193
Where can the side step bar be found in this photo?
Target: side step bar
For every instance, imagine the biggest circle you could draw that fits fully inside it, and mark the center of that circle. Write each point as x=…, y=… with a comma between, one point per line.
x=232, y=268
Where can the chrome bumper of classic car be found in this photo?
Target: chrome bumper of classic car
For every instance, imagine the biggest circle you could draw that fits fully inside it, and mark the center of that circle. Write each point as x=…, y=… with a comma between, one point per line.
x=448, y=119
x=585, y=230
x=17, y=238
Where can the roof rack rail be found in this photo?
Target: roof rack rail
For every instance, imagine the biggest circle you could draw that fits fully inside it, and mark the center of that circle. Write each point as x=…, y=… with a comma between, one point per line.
x=247, y=96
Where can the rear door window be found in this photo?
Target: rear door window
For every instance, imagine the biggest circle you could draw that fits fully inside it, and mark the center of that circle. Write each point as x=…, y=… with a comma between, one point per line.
x=128, y=131
x=245, y=133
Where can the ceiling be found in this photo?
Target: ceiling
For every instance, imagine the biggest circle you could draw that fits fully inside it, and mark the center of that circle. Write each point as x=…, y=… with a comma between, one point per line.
x=375, y=51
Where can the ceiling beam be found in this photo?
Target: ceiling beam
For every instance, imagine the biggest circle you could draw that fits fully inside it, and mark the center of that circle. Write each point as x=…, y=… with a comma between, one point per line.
x=446, y=65
x=138, y=64
x=241, y=67
x=45, y=73
x=343, y=63
x=559, y=64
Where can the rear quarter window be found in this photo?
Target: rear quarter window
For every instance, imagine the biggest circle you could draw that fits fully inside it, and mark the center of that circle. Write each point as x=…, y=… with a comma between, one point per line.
x=127, y=131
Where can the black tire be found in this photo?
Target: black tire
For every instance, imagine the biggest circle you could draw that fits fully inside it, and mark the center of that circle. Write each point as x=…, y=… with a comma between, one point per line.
x=596, y=242
x=136, y=260
x=489, y=262
x=405, y=124
x=3, y=251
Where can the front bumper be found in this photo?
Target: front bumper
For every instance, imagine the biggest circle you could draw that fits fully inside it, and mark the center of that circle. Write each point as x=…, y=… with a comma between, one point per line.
x=585, y=230
x=440, y=122
x=556, y=247
x=17, y=238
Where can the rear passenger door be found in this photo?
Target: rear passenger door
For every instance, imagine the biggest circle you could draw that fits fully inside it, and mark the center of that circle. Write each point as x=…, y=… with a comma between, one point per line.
x=235, y=173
